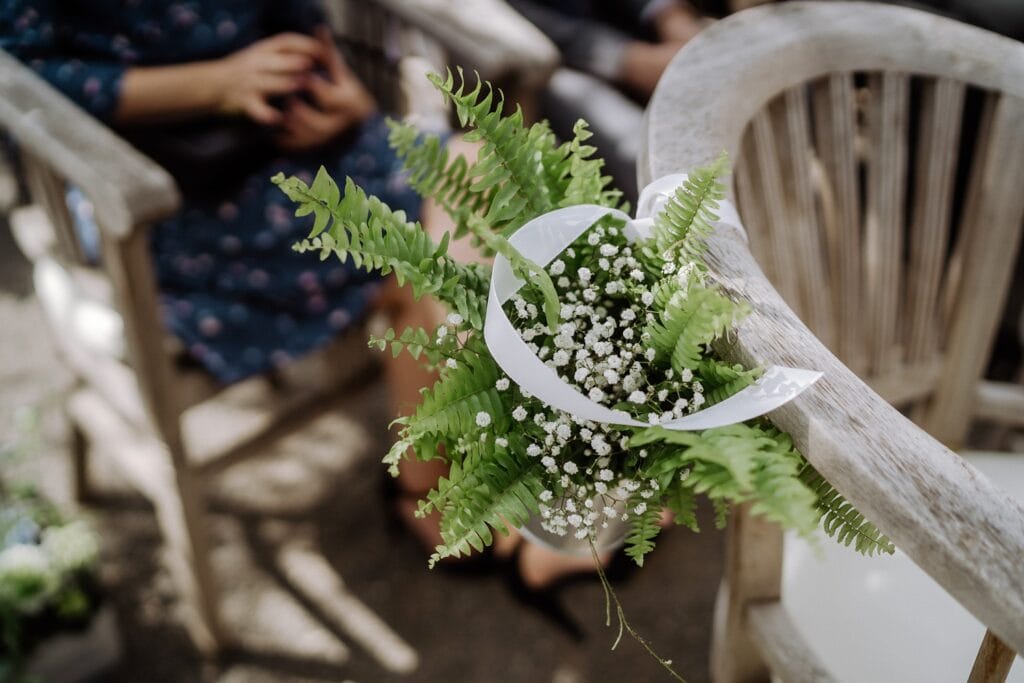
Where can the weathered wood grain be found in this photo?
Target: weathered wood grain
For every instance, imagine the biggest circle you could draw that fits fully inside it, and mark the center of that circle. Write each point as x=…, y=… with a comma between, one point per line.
x=952, y=521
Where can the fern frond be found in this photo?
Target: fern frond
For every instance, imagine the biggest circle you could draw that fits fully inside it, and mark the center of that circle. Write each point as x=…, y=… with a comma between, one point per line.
x=587, y=184
x=681, y=229
x=682, y=501
x=721, y=380
x=378, y=239
x=502, y=490
x=508, y=159
x=691, y=321
x=432, y=173
x=643, y=530
x=841, y=520
x=453, y=403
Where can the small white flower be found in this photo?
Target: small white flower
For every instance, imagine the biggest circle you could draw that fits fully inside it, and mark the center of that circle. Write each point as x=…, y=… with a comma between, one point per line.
x=501, y=384
x=557, y=267
x=546, y=495
x=561, y=358
x=686, y=375
x=570, y=467
x=483, y=419
x=609, y=250
x=581, y=374
x=600, y=487
x=650, y=354
x=628, y=315
x=609, y=511
x=596, y=395
x=454, y=319
x=637, y=397
x=640, y=509
x=589, y=294
x=533, y=450
x=563, y=431
x=647, y=298
x=662, y=395
x=519, y=414
x=563, y=282
x=574, y=520
x=584, y=274
x=627, y=334
x=603, y=264
x=606, y=475
x=441, y=332
x=501, y=441
x=581, y=534
x=547, y=461
x=637, y=274
x=668, y=268
x=451, y=363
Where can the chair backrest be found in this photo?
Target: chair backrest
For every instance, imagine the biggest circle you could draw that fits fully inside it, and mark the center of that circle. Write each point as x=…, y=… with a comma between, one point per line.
x=846, y=121
x=876, y=175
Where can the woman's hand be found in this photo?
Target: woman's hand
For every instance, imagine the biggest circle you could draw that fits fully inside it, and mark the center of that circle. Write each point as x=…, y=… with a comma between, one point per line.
x=340, y=100
x=279, y=65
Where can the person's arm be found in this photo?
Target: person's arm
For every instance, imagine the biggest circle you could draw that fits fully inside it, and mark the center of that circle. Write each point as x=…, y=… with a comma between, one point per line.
x=237, y=84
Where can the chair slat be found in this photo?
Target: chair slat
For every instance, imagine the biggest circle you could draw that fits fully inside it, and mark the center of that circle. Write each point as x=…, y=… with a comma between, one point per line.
x=942, y=107
x=883, y=247
x=806, y=241
x=751, y=206
x=770, y=177
x=835, y=133
x=990, y=235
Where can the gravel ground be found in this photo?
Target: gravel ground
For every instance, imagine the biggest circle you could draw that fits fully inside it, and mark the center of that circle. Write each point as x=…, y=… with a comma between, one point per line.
x=322, y=487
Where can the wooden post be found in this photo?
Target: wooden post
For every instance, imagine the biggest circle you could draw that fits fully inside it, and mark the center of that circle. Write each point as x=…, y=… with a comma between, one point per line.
x=753, y=573
x=992, y=665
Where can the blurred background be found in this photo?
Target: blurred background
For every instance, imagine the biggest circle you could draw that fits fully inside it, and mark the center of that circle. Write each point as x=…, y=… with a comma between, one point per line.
x=277, y=467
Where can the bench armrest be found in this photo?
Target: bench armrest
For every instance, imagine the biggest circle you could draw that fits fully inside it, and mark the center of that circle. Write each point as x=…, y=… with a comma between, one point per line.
x=127, y=188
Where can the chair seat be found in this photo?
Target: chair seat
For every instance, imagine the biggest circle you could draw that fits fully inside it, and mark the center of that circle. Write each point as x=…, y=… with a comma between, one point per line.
x=883, y=619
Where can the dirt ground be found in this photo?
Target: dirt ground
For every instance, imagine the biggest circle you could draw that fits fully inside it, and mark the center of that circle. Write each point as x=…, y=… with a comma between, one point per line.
x=323, y=488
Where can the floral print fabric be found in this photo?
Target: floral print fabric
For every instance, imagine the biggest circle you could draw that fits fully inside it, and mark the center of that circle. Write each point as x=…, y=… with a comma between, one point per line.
x=232, y=290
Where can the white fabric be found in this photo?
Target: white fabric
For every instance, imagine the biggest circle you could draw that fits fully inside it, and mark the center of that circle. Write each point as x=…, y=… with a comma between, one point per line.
x=547, y=236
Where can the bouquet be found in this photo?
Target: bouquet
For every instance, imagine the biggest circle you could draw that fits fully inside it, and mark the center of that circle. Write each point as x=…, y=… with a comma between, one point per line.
x=579, y=390
x=48, y=580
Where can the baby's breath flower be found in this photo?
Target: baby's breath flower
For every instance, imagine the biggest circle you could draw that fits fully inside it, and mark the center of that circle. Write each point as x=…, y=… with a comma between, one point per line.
x=547, y=461
x=533, y=450
x=451, y=363
x=647, y=298
x=557, y=267
x=596, y=395
x=609, y=250
x=441, y=332
x=606, y=475
x=584, y=274
x=483, y=419
x=637, y=397
x=570, y=467
x=519, y=414
x=640, y=509
x=501, y=441
x=546, y=495
x=501, y=384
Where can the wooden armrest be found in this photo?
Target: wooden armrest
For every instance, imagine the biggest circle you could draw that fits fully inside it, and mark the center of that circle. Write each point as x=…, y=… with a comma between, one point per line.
x=127, y=188
x=956, y=524
x=951, y=520
x=486, y=35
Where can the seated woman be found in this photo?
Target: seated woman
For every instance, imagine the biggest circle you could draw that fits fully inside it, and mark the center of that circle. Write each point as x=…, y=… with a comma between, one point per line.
x=226, y=95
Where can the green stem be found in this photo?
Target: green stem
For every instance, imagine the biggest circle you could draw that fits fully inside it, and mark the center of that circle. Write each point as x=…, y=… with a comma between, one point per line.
x=611, y=598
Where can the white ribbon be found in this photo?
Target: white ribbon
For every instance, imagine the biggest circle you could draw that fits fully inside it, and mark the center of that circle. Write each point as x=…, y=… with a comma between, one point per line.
x=547, y=236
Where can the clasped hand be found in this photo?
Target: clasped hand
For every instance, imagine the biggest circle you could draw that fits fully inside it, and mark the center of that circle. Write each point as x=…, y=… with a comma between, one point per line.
x=288, y=65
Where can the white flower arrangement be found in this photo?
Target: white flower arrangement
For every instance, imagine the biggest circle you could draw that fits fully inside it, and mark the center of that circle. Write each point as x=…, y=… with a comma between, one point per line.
x=626, y=321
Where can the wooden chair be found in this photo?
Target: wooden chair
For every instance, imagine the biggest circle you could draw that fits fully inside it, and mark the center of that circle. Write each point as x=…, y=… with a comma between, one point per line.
x=852, y=150
x=132, y=395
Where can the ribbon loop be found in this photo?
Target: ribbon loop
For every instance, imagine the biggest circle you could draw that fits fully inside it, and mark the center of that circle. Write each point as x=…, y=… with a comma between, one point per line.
x=541, y=240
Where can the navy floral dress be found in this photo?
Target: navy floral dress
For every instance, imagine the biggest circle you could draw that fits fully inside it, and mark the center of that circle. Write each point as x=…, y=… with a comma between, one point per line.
x=232, y=290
